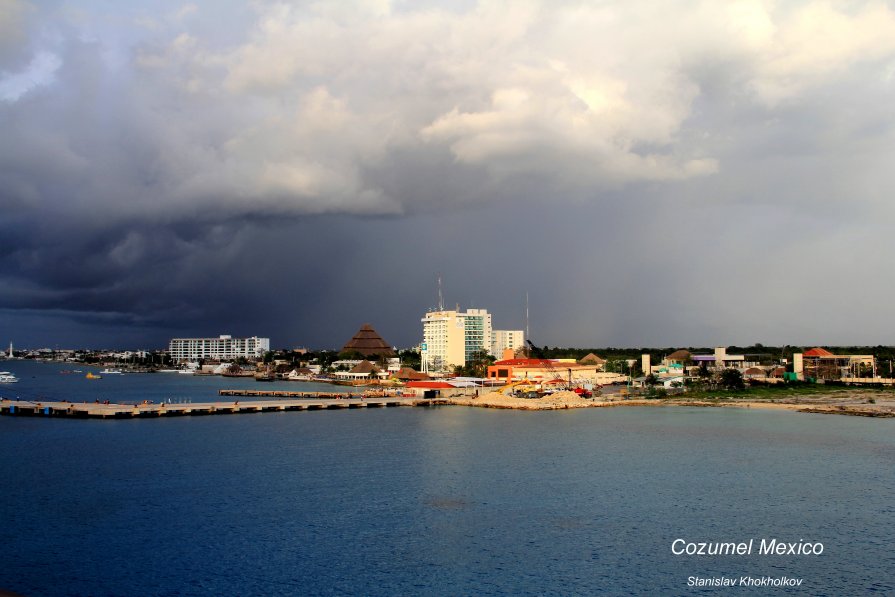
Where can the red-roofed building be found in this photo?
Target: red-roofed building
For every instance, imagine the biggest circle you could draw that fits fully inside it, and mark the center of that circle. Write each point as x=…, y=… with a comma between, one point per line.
x=429, y=385
x=543, y=370
x=821, y=364
x=818, y=352
x=429, y=388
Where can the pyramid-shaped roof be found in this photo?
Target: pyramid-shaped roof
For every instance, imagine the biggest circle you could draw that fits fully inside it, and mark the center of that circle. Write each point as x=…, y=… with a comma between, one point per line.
x=679, y=355
x=365, y=367
x=591, y=359
x=408, y=373
x=369, y=343
x=818, y=352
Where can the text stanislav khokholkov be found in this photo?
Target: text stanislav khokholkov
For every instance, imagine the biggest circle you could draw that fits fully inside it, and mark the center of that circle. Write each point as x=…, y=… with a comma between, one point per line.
x=743, y=581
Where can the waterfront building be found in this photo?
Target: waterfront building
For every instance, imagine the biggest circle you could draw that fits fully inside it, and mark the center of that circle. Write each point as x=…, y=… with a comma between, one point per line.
x=444, y=341
x=541, y=371
x=219, y=349
x=364, y=370
x=476, y=332
x=452, y=337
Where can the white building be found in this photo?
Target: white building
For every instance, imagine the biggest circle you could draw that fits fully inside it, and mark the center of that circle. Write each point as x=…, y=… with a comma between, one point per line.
x=504, y=339
x=451, y=338
x=220, y=348
x=477, y=332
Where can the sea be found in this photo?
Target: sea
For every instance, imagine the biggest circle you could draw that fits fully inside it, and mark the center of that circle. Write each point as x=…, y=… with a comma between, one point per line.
x=443, y=500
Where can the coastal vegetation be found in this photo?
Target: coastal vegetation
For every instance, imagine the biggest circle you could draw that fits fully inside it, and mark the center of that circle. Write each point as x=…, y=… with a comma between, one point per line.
x=781, y=391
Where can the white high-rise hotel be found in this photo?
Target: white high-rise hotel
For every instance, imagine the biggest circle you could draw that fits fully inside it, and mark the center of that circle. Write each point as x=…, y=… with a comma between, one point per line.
x=451, y=338
x=222, y=348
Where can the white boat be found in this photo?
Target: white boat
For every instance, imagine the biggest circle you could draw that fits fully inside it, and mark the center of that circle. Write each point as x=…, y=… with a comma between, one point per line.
x=7, y=377
x=111, y=372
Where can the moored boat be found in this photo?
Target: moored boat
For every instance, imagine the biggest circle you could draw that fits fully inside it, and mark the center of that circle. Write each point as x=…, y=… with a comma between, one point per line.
x=91, y=375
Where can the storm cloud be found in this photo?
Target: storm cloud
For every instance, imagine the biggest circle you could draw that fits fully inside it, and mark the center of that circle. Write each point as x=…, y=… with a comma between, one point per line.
x=666, y=173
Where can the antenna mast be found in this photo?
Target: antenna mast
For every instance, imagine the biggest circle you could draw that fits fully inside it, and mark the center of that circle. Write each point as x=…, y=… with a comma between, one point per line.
x=527, y=335
x=440, y=296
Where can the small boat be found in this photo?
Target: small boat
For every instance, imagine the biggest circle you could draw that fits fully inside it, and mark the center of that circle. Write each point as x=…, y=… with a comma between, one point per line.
x=91, y=375
x=112, y=372
x=7, y=377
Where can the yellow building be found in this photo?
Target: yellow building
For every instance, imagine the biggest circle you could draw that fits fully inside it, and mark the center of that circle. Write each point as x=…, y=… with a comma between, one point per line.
x=444, y=341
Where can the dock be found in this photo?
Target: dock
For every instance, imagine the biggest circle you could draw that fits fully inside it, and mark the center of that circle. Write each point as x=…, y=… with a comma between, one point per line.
x=88, y=410
x=289, y=394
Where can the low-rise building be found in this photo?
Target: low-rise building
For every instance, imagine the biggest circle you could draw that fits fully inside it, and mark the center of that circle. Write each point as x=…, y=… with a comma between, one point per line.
x=821, y=364
x=544, y=370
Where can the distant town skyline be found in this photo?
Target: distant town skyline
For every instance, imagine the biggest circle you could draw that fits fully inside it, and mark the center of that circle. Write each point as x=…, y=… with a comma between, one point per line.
x=650, y=173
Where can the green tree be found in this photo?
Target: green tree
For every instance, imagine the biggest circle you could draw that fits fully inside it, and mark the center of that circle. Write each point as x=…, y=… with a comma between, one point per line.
x=410, y=358
x=732, y=379
x=477, y=366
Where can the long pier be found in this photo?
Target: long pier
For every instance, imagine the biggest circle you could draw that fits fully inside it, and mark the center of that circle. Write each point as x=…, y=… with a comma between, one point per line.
x=315, y=395
x=151, y=410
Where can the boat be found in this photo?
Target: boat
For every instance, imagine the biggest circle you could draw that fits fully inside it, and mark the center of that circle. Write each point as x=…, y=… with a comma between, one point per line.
x=265, y=376
x=112, y=372
x=7, y=377
x=91, y=375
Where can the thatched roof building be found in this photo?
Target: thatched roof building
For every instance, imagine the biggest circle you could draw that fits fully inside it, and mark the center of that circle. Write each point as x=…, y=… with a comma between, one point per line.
x=368, y=343
x=591, y=359
x=364, y=367
x=678, y=356
x=408, y=374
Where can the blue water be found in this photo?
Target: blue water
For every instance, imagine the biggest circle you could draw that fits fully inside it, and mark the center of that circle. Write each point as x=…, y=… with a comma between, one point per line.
x=442, y=501
x=44, y=381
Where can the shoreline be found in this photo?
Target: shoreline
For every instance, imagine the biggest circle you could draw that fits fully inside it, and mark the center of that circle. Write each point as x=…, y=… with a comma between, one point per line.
x=831, y=403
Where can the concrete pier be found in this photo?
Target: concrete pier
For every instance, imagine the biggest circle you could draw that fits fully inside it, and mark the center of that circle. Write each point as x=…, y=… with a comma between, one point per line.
x=288, y=394
x=130, y=411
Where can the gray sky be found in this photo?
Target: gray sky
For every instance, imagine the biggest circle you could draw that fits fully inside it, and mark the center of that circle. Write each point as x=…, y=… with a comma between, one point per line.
x=650, y=172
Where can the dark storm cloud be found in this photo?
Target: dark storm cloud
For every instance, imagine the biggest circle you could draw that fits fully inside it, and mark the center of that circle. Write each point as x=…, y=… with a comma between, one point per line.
x=688, y=177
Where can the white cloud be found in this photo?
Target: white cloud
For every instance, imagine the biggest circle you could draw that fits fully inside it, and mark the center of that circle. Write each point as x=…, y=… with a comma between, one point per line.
x=312, y=106
x=40, y=71
x=817, y=42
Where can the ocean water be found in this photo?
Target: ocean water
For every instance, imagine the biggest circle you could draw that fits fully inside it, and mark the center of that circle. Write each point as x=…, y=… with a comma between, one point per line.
x=45, y=381
x=442, y=501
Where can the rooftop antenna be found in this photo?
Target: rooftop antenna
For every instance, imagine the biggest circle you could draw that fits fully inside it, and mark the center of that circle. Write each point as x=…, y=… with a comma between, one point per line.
x=440, y=295
x=527, y=343
x=527, y=335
